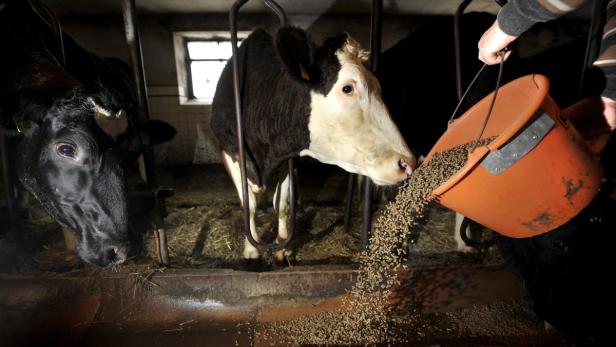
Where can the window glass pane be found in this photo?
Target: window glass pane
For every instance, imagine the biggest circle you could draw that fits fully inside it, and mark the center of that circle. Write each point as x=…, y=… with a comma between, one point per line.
x=205, y=76
x=209, y=50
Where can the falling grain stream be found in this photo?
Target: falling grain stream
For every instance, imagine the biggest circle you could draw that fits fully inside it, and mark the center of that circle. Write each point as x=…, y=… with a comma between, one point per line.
x=366, y=316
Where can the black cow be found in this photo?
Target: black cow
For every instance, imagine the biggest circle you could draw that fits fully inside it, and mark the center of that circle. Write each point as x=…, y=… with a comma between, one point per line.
x=299, y=99
x=74, y=121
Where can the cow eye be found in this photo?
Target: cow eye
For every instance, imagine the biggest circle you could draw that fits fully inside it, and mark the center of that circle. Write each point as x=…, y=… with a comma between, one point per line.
x=347, y=89
x=67, y=150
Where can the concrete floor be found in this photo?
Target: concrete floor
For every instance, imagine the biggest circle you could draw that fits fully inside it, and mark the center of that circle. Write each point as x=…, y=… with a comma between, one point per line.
x=462, y=300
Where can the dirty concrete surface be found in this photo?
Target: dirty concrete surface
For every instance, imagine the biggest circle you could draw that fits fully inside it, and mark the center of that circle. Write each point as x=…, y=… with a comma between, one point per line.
x=211, y=296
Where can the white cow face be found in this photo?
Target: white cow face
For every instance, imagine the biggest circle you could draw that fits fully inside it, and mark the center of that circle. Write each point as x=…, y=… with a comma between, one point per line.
x=349, y=125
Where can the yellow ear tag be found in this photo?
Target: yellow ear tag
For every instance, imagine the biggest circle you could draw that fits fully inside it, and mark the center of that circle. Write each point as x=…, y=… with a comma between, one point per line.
x=21, y=123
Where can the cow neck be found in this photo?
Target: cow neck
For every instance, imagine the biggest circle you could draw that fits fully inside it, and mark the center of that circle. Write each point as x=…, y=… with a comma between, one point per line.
x=282, y=130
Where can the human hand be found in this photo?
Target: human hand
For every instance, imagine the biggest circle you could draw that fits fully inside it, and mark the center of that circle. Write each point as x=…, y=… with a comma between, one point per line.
x=492, y=42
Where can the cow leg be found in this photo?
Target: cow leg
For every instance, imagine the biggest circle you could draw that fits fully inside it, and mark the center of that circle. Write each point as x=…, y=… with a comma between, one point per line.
x=461, y=245
x=233, y=168
x=281, y=204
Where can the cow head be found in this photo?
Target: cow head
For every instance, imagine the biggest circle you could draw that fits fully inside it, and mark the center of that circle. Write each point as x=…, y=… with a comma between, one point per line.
x=349, y=124
x=73, y=158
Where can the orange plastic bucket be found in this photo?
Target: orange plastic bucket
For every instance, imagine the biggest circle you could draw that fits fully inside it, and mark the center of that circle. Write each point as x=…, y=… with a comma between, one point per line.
x=534, y=176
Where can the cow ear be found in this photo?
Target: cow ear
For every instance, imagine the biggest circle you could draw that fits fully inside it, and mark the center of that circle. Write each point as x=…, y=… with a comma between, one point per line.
x=298, y=53
x=44, y=77
x=112, y=123
x=154, y=132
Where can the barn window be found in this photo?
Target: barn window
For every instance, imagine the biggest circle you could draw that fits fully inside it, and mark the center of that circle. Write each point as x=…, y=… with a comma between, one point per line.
x=205, y=62
x=203, y=57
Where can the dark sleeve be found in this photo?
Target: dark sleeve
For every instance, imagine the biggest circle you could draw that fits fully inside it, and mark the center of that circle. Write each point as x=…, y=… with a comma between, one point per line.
x=606, y=61
x=517, y=16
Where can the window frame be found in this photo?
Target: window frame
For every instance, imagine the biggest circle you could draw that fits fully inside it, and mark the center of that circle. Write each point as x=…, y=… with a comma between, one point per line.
x=183, y=60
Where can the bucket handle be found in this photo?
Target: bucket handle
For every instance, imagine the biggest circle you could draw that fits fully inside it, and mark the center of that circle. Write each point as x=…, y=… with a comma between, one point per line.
x=501, y=54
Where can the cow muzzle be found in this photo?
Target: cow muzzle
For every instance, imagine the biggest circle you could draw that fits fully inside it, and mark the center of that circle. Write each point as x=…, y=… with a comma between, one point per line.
x=393, y=170
x=407, y=165
x=108, y=255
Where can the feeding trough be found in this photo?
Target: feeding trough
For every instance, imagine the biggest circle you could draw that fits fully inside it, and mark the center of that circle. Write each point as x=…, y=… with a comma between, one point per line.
x=536, y=173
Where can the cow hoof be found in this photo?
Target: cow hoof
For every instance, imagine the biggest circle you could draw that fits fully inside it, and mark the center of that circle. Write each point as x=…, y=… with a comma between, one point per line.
x=283, y=254
x=250, y=252
x=465, y=249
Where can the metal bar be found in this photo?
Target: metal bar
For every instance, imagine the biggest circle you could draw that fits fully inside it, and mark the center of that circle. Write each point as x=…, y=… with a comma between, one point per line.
x=458, y=61
x=593, y=45
x=240, y=124
x=376, y=31
x=188, y=63
x=273, y=5
x=481, y=245
x=240, y=135
x=349, y=202
x=7, y=173
x=161, y=246
x=367, y=213
x=456, y=42
x=282, y=17
x=133, y=39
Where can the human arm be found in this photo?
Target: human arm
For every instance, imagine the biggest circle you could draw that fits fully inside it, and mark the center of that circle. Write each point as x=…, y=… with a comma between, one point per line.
x=515, y=18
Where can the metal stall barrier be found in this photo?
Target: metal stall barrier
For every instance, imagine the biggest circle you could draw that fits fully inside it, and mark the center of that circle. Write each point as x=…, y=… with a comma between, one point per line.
x=240, y=134
x=133, y=39
x=376, y=31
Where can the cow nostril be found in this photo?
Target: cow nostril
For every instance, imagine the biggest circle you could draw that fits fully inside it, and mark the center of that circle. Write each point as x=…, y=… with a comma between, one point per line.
x=112, y=255
x=404, y=166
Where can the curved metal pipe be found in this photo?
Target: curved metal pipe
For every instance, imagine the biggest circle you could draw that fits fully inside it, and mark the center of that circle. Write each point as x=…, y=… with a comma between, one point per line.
x=282, y=16
x=240, y=133
x=479, y=245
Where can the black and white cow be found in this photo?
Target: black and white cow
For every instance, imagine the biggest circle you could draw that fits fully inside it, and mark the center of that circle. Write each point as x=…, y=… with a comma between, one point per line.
x=302, y=100
x=74, y=118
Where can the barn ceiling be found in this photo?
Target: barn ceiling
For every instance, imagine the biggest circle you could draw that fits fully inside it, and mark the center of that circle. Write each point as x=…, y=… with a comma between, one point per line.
x=295, y=7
